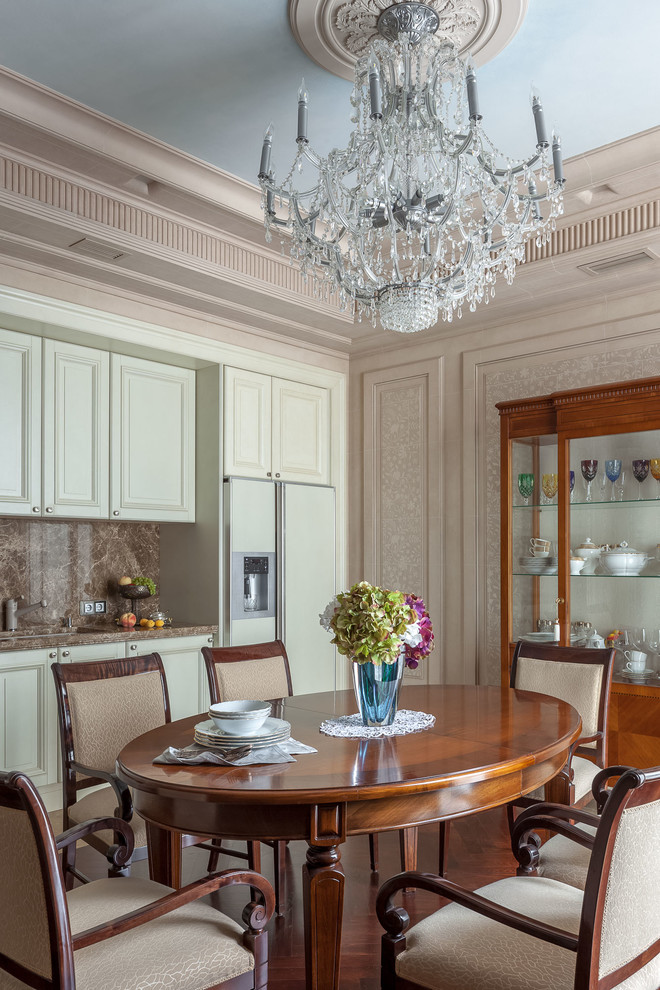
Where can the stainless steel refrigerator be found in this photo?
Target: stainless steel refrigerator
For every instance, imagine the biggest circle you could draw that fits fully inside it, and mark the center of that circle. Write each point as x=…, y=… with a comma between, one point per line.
x=280, y=573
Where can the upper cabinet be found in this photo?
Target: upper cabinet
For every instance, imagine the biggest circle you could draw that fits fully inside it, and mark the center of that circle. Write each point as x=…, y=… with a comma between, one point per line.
x=60, y=454
x=275, y=428
x=75, y=431
x=152, y=439
x=20, y=423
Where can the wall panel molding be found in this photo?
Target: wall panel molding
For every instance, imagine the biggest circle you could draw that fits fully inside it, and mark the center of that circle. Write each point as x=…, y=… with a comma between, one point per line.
x=607, y=227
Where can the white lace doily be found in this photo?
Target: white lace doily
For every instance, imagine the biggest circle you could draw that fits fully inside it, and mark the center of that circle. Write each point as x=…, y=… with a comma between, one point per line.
x=351, y=725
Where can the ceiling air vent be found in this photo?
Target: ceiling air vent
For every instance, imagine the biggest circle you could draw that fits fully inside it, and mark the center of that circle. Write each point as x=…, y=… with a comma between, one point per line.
x=98, y=250
x=622, y=263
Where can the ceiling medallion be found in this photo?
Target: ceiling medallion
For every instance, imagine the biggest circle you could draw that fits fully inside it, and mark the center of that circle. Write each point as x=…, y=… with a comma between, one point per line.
x=357, y=25
x=335, y=33
x=420, y=214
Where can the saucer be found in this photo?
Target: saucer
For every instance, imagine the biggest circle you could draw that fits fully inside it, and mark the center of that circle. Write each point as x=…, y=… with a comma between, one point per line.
x=272, y=731
x=636, y=675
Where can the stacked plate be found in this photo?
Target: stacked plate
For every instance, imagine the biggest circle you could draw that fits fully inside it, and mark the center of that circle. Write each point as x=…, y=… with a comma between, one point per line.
x=274, y=730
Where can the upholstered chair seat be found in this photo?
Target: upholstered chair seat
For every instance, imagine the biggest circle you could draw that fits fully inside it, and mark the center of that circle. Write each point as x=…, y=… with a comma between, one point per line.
x=190, y=949
x=563, y=860
x=103, y=804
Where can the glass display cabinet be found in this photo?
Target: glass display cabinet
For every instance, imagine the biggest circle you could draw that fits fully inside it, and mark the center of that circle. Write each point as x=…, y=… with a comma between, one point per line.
x=580, y=530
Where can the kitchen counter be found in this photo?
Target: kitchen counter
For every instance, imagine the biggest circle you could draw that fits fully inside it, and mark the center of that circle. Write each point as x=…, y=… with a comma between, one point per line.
x=34, y=638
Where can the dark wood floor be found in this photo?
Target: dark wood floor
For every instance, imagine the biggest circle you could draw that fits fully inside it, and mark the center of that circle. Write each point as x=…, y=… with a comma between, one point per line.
x=478, y=853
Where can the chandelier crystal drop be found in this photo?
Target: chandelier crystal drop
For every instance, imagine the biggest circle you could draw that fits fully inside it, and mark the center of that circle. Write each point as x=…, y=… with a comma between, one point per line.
x=420, y=213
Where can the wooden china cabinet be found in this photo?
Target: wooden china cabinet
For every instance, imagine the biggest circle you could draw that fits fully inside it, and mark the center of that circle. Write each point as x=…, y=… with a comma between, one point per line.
x=553, y=435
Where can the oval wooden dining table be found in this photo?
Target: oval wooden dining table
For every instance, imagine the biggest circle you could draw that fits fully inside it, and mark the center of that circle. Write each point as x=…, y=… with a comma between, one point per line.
x=488, y=746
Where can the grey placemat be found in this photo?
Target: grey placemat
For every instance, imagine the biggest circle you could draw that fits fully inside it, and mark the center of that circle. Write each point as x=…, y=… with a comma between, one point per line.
x=195, y=754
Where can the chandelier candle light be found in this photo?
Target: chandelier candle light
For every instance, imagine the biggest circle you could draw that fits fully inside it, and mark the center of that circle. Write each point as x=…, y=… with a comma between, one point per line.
x=420, y=213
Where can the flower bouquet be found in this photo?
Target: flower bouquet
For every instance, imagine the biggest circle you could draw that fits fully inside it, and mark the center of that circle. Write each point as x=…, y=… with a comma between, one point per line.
x=382, y=632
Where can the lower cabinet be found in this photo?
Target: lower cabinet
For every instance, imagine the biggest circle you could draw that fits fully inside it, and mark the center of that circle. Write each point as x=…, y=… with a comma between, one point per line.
x=184, y=670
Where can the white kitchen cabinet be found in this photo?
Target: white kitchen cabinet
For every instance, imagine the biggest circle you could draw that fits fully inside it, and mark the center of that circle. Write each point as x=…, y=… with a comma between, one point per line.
x=152, y=440
x=275, y=428
x=184, y=670
x=20, y=424
x=90, y=652
x=76, y=431
x=28, y=724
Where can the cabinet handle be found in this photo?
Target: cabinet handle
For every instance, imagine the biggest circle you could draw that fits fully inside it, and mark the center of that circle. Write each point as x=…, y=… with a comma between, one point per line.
x=35, y=508
x=53, y=655
x=133, y=646
x=277, y=475
x=49, y=508
x=210, y=639
x=268, y=474
x=115, y=512
x=65, y=653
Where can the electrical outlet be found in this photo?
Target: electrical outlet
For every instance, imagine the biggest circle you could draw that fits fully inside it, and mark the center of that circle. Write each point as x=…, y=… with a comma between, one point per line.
x=100, y=607
x=87, y=608
x=95, y=607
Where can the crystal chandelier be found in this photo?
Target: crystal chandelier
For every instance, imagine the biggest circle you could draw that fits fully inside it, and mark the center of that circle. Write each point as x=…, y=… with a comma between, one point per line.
x=420, y=213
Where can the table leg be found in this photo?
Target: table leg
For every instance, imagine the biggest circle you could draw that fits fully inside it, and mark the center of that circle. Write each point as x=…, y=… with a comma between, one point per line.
x=408, y=847
x=164, y=848
x=323, y=900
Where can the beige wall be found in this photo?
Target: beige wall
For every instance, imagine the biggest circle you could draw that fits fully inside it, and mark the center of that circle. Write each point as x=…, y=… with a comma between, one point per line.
x=424, y=457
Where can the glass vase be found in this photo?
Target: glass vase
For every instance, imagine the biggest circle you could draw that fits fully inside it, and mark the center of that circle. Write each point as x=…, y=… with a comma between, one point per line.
x=377, y=690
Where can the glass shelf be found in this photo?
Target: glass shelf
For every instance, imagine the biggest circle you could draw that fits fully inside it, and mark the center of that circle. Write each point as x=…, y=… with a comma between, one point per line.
x=594, y=504
x=615, y=576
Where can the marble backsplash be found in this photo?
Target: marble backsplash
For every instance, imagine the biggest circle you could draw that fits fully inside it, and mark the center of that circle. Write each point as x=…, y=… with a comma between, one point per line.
x=68, y=561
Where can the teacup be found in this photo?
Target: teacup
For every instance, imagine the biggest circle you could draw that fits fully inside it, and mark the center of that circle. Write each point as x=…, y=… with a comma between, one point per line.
x=539, y=547
x=636, y=661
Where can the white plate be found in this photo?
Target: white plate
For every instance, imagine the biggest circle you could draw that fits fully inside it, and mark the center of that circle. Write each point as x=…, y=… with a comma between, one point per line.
x=636, y=675
x=273, y=730
x=539, y=637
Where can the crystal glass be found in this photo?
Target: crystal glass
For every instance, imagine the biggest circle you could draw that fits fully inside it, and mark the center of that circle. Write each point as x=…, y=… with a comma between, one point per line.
x=612, y=470
x=526, y=486
x=589, y=470
x=550, y=484
x=571, y=482
x=654, y=464
x=640, y=469
x=620, y=486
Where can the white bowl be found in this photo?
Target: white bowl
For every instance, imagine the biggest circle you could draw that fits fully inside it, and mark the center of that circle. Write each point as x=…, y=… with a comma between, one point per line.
x=577, y=565
x=623, y=563
x=239, y=718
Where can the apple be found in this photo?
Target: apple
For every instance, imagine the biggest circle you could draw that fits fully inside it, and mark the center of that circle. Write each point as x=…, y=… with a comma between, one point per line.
x=124, y=580
x=128, y=619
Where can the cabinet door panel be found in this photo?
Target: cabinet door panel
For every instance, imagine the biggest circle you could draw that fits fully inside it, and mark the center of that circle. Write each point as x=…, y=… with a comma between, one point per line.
x=300, y=432
x=153, y=441
x=247, y=424
x=27, y=727
x=76, y=431
x=184, y=671
x=20, y=423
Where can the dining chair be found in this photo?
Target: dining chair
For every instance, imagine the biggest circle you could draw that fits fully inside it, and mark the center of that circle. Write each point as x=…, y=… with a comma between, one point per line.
x=565, y=854
x=534, y=933
x=261, y=672
x=119, y=934
x=102, y=706
x=581, y=677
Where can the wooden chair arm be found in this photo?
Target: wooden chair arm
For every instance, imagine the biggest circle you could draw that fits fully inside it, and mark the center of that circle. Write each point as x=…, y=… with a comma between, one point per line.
x=119, y=855
x=255, y=916
x=395, y=920
x=121, y=789
x=525, y=841
x=598, y=786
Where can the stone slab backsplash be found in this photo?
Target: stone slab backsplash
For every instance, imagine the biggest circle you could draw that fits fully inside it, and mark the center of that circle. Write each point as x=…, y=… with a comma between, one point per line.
x=69, y=561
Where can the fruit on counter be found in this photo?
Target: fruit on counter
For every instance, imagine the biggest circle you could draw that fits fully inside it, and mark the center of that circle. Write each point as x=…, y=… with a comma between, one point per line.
x=124, y=580
x=146, y=582
x=159, y=623
x=128, y=619
x=148, y=623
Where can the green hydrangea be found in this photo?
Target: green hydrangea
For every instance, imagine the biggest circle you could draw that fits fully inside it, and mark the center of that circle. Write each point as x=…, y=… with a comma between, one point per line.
x=369, y=622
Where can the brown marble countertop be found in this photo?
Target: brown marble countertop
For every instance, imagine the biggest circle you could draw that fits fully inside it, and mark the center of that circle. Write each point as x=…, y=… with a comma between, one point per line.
x=33, y=638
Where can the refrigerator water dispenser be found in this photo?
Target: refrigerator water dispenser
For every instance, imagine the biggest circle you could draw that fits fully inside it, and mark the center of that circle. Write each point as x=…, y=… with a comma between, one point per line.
x=253, y=585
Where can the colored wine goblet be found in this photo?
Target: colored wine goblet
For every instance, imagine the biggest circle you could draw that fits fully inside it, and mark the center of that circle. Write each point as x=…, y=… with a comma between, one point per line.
x=526, y=486
x=654, y=464
x=550, y=484
x=571, y=482
x=613, y=470
x=640, y=469
x=589, y=471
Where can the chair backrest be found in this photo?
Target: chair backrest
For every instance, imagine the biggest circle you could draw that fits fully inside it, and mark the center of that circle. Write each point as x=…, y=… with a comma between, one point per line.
x=260, y=671
x=35, y=936
x=620, y=925
x=578, y=676
x=102, y=706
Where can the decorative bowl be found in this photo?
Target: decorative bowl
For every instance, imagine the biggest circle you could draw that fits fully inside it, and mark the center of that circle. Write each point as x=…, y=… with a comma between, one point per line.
x=239, y=718
x=623, y=561
x=134, y=591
